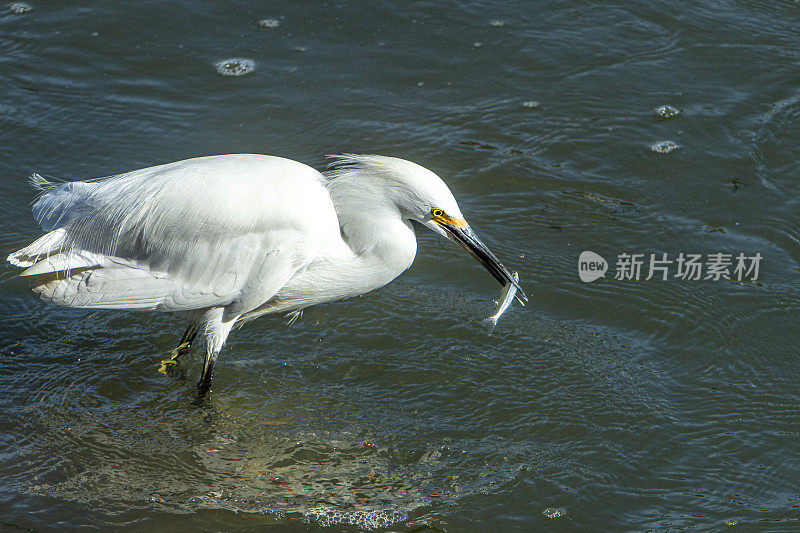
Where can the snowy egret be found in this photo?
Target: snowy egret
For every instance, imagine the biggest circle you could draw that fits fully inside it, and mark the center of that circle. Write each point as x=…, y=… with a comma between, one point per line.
x=229, y=238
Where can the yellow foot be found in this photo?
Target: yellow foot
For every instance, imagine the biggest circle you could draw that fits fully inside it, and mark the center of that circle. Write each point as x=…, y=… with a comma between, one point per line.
x=167, y=364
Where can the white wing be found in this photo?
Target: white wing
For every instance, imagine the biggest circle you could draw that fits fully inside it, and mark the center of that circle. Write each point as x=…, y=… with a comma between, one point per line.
x=222, y=230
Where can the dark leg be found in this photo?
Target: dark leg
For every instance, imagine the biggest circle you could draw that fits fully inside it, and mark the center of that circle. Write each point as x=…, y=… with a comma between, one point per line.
x=217, y=327
x=204, y=385
x=188, y=338
x=182, y=348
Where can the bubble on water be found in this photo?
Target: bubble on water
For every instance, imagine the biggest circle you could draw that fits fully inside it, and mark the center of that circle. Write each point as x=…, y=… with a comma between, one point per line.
x=235, y=67
x=530, y=104
x=497, y=23
x=366, y=519
x=18, y=8
x=731, y=522
x=268, y=24
x=664, y=147
x=477, y=44
x=554, y=512
x=300, y=49
x=667, y=111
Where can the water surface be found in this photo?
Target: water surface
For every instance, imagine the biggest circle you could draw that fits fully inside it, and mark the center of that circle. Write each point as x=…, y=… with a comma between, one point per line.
x=616, y=404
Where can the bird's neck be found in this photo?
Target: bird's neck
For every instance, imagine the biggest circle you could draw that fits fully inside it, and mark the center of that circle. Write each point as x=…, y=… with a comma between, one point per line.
x=383, y=248
x=382, y=242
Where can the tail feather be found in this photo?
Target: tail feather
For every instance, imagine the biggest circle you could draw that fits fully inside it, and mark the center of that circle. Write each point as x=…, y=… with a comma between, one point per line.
x=42, y=248
x=78, y=278
x=107, y=288
x=82, y=279
x=64, y=263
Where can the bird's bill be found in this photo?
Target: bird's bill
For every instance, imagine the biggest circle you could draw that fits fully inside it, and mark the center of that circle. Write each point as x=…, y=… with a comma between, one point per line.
x=460, y=232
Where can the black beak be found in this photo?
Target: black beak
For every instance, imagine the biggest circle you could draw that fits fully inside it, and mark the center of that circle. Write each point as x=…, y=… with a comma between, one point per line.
x=467, y=238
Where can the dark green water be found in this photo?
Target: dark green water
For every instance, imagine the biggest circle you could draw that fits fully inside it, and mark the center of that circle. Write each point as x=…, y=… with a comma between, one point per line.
x=612, y=405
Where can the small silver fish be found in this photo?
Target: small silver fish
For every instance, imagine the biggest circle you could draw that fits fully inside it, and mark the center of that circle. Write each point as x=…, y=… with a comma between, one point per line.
x=506, y=297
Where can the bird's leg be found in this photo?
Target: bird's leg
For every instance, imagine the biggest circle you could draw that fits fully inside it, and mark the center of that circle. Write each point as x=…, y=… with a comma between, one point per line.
x=182, y=348
x=204, y=385
x=216, y=331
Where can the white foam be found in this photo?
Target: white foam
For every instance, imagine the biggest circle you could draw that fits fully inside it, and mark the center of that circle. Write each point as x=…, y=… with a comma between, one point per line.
x=554, y=512
x=664, y=147
x=235, y=67
x=269, y=24
x=667, y=111
x=364, y=519
x=18, y=8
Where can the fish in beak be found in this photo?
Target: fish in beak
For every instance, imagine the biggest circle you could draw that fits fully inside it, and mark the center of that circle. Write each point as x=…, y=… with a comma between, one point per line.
x=459, y=231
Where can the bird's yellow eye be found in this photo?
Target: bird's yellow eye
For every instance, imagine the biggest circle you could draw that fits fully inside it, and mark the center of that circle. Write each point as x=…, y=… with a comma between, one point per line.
x=437, y=213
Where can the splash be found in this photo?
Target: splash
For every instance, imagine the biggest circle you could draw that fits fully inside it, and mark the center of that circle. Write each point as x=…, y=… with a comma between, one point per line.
x=20, y=8
x=664, y=147
x=554, y=512
x=667, y=111
x=235, y=67
x=364, y=519
x=268, y=24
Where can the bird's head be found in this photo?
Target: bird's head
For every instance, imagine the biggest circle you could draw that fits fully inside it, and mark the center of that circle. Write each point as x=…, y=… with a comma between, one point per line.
x=420, y=195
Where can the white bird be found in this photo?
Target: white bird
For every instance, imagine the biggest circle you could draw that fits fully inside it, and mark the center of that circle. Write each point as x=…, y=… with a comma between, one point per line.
x=231, y=237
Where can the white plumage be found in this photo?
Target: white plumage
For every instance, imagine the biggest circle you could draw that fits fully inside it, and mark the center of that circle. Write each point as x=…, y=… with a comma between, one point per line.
x=228, y=238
